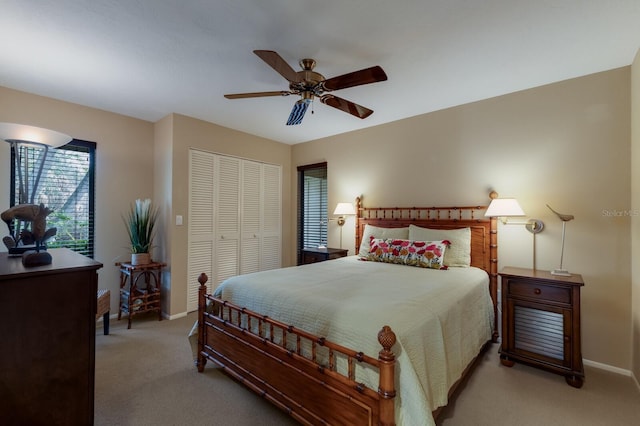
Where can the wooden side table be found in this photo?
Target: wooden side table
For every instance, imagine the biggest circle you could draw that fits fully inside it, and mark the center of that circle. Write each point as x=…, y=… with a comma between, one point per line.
x=140, y=289
x=313, y=255
x=541, y=322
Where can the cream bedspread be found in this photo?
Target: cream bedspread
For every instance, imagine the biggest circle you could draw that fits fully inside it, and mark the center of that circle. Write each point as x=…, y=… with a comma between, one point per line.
x=441, y=318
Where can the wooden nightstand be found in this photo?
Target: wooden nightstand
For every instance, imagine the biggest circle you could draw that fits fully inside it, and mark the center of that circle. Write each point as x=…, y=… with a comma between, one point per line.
x=541, y=322
x=140, y=287
x=313, y=255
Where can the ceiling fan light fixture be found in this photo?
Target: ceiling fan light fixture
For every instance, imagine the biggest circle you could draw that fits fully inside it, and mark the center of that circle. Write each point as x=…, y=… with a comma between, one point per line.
x=297, y=113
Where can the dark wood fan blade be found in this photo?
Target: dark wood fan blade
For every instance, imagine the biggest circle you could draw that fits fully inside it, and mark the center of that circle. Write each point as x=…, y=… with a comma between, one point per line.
x=276, y=62
x=356, y=78
x=346, y=106
x=256, y=94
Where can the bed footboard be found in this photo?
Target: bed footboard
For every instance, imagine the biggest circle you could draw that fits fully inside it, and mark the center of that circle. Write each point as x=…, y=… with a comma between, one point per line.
x=295, y=370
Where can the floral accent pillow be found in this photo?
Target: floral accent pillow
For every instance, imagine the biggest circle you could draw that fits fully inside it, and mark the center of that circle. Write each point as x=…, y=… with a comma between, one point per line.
x=424, y=254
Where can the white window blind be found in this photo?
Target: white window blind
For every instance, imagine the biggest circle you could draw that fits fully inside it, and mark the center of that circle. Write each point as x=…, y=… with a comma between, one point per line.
x=312, y=206
x=65, y=185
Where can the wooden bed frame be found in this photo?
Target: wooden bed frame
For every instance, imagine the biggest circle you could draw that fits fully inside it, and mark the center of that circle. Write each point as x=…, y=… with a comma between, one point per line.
x=296, y=370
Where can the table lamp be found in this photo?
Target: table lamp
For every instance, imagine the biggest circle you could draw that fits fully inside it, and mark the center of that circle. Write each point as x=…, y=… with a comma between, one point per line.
x=343, y=209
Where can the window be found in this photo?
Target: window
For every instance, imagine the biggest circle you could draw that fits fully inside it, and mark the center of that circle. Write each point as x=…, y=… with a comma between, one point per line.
x=312, y=207
x=66, y=186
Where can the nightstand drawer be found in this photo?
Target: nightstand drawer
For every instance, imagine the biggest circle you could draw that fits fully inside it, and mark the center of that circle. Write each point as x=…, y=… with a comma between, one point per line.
x=313, y=255
x=539, y=291
x=312, y=258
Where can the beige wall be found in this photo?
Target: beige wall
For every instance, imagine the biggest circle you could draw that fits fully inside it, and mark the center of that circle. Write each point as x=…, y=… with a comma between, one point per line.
x=635, y=199
x=124, y=166
x=565, y=144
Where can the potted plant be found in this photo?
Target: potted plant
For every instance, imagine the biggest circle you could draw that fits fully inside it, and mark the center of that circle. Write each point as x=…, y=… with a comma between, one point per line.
x=140, y=222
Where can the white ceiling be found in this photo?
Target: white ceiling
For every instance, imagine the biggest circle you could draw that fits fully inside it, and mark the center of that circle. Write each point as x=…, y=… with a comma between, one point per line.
x=149, y=58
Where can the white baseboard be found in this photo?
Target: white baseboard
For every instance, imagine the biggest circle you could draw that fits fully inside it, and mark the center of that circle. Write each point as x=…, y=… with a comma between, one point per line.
x=608, y=367
x=175, y=316
x=613, y=369
x=164, y=316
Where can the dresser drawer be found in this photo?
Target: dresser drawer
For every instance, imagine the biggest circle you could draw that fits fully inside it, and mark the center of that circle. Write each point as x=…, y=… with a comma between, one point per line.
x=538, y=291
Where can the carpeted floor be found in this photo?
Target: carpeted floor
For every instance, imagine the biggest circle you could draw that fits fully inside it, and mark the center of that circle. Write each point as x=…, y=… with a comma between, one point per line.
x=146, y=376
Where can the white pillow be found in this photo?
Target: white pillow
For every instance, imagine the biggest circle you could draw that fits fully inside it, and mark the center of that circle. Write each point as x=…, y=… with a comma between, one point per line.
x=378, y=232
x=458, y=253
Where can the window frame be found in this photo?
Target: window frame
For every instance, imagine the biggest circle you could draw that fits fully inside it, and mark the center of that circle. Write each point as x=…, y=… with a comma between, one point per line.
x=74, y=145
x=323, y=213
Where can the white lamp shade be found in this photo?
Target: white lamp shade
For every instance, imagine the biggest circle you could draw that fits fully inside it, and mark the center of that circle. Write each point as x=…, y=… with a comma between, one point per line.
x=11, y=132
x=344, y=209
x=504, y=207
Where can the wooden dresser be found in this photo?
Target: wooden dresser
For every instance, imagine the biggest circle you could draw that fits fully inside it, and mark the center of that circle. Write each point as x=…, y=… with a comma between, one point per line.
x=541, y=322
x=47, y=330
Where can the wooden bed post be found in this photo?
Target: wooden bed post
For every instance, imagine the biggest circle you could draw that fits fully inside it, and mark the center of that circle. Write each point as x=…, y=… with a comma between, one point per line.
x=386, y=389
x=202, y=292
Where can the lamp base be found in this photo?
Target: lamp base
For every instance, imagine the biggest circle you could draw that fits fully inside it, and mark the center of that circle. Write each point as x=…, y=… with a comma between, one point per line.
x=561, y=272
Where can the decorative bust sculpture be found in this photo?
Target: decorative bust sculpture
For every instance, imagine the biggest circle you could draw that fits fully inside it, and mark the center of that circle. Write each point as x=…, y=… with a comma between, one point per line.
x=29, y=241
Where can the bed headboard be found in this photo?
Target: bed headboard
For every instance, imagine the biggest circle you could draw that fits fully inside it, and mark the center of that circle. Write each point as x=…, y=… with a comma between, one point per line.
x=484, y=232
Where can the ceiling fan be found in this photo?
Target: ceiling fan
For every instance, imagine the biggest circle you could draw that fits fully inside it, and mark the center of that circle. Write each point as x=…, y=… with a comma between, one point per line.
x=310, y=84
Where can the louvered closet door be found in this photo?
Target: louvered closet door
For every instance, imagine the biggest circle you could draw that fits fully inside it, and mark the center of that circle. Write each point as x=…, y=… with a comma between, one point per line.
x=251, y=214
x=261, y=245
x=234, y=219
x=201, y=222
x=271, y=244
x=226, y=260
